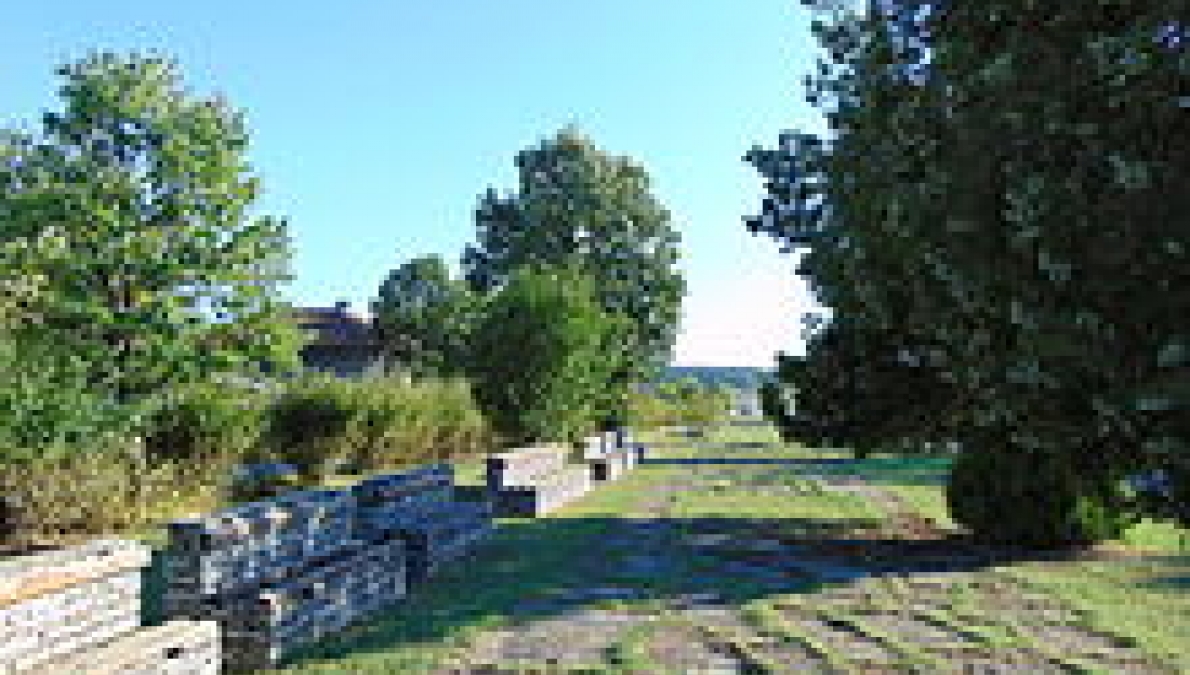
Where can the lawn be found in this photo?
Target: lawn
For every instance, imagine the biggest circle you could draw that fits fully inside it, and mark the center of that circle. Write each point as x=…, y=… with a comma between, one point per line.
x=711, y=488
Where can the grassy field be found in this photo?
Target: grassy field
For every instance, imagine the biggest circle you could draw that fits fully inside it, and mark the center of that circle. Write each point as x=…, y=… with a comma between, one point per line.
x=1145, y=598
x=1119, y=612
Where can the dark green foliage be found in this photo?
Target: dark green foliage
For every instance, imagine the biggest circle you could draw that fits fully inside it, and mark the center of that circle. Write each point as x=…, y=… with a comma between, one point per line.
x=195, y=421
x=1005, y=184
x=305, y=423
x=1009, y=496
x=578, y=205
x=542, y=357
x=852, y=377
x=424, y=318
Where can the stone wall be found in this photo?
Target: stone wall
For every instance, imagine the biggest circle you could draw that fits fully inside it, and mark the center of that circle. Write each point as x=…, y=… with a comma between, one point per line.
x=77, y=610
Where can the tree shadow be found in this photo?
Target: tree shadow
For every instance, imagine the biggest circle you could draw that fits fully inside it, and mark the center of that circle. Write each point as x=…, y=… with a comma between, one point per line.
x=1177, y=578
x=882, y=470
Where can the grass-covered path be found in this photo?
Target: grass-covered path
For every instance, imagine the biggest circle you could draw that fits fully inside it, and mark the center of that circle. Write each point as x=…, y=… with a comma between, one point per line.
x=740, y=555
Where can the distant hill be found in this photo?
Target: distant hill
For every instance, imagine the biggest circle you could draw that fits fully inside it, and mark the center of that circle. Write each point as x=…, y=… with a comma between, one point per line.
x=740, y=377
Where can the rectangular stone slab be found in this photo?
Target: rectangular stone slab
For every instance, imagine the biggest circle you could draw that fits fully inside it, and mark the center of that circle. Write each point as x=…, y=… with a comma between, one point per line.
x=261, y=542
x=88, y=624
x=68, y=600
x=38, y=574
x=378, y=521
x=261, y=627
x=522, y=466
x=173, y=648
x=548, y=494
x=433, y=483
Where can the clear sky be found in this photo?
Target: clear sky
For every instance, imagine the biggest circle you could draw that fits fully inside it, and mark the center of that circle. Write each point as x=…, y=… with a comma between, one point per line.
x=376, y=124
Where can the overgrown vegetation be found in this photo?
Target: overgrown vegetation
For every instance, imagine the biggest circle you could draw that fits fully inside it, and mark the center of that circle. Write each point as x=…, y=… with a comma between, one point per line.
x=135, y=293
x=683, y=402
x=371, y=424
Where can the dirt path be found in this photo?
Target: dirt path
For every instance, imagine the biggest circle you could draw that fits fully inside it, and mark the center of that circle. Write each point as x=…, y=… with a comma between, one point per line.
x=901, y=595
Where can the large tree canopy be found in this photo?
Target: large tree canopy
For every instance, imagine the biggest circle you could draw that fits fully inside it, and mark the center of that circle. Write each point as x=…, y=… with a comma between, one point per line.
x=129, y=212
x=578, y=205
x=1005, y=192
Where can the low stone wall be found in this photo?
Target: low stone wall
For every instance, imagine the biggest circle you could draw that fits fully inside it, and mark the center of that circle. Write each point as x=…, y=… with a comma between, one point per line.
x=280, y=573
x=613, y=465
x=535, y=480
x=618, y=453
x=421, y=507
x=261, y=627
x=524, y=465
x=598, y=445
x=77, y=610
x=546, y=494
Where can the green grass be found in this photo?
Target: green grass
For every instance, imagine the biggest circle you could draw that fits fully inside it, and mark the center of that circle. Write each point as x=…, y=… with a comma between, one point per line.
x=1145, y=601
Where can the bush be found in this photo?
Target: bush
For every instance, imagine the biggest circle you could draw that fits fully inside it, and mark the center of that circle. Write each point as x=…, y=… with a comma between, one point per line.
x=192, y=422
x=677, y=405
x=1007, y=496
x=48, y=401
x=60, y=494
x=542, y=357
x=371, y=424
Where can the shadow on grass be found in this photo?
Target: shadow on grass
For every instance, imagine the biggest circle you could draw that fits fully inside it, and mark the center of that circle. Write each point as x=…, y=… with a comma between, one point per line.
x=882, y=470
x=517, y=574
x=1176, y=577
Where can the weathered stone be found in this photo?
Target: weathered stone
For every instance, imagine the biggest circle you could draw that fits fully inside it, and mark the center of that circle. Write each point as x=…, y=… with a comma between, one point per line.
x=547, y=493
x=173, y=648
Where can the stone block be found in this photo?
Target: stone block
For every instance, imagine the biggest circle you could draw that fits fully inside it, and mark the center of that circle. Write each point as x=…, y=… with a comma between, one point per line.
x=261, y=627
x=258, y=543
x=522, y=466
x=547, y=494
x=173, y=648
x=68, y=600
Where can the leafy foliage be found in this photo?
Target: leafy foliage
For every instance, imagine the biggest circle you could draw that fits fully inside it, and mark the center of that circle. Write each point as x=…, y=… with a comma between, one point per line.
x=129, y=214
x=684, y=402
x=580, y=206
x=372, y=423
x=1014, y=497
x=424, y=318
x=543, y=360
x=853, y=376
x=1005, y=190
x=194, y=421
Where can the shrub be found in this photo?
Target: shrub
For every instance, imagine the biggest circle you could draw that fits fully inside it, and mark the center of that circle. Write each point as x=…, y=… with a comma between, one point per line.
x=58, y=494
x=677, y=405
x=542, y=357
x=374, y=423
x=192, y=422
x=48, y=401
x=1008, y=496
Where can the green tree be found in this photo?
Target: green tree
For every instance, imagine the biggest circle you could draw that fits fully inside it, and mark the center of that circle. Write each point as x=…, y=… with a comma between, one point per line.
x=542, y=356
x=130, y=209
x=1004, y=187
x=424, y=318
x=578, y=205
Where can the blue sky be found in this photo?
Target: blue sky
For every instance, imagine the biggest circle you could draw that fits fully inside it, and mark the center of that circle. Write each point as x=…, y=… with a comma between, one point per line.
x=376, y=125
